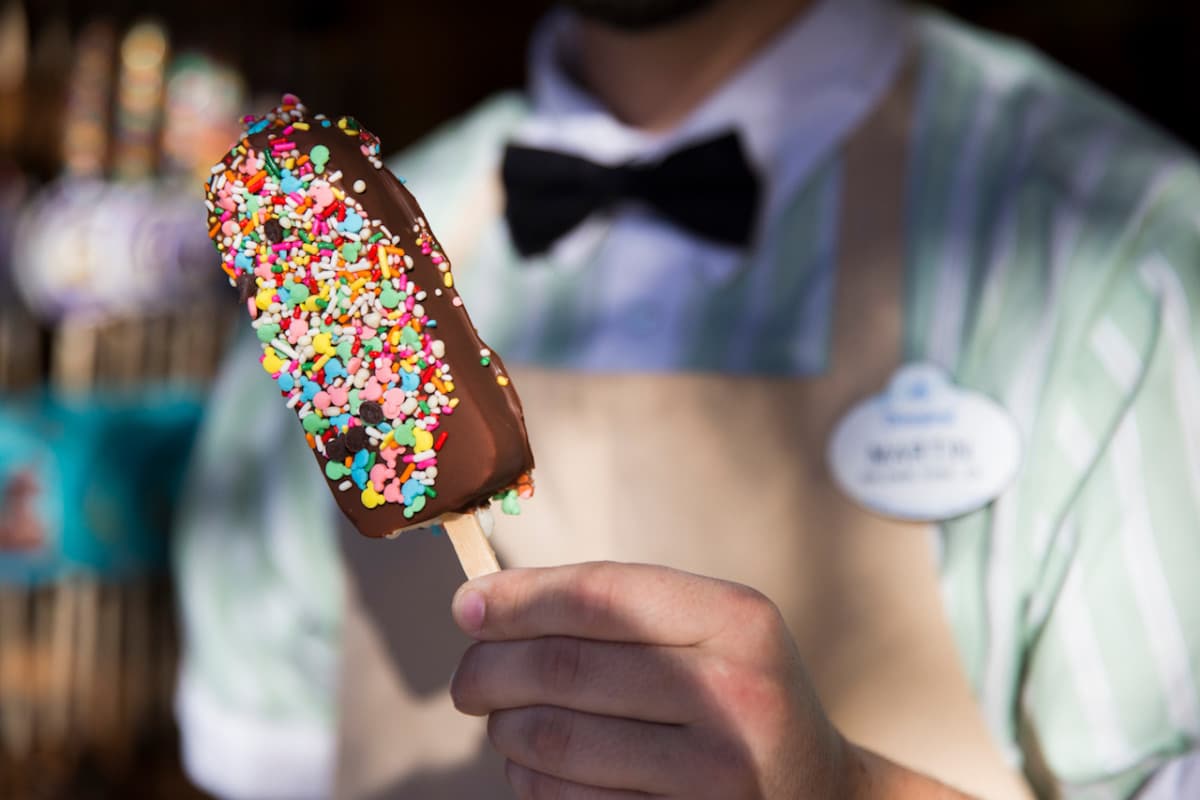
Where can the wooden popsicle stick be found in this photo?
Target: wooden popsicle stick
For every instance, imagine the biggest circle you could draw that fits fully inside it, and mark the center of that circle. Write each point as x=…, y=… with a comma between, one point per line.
x=474, y=551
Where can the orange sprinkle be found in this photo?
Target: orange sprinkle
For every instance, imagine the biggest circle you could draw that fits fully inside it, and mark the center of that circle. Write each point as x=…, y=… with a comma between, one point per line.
x=214, y=229
x=407, y=471
x=302, y=160
x=312, y=443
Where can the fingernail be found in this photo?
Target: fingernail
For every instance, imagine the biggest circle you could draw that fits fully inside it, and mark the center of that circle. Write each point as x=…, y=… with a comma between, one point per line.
x=469, y=609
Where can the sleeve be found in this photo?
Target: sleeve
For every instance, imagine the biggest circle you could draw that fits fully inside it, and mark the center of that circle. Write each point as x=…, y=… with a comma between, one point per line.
x=259, y=587
x=1111, y=691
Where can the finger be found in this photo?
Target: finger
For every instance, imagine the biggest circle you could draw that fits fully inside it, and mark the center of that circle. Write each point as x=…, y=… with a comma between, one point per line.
x=614, y=602
x=644, y=682
x=531, y=785
x=593, y=750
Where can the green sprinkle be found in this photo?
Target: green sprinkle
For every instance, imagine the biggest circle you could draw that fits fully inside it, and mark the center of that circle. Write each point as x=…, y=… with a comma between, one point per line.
x=416, y=505
x=315, y=424
x=355, y=402
x=319, y=156
x=343, y=350
x=375, y=237
x=267, y=332
x=326, y=246
x=350, y=251
x=372, y=345
x=429, y=490
x=509, y=503
x=272, y=167
x=409, y=337
x=403, y=434
x=277, y=268
x=335, y=470
x=483, y=362
x=389, y=297
x=423, y=406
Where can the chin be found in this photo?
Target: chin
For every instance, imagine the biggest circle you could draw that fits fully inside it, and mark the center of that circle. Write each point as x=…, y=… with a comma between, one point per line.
x=637, y=15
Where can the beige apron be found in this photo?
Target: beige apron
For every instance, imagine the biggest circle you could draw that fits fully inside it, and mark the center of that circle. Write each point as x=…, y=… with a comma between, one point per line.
x=655, y=468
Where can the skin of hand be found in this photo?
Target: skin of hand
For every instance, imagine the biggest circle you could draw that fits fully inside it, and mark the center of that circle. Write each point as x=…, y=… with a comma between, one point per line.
x=20, y=529
x=604, y=681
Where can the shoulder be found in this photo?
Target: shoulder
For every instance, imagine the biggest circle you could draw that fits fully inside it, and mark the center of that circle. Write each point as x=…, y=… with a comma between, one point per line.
x=1033, y=188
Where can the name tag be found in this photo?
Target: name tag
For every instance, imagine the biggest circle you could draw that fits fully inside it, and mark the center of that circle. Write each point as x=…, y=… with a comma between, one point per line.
x=924, y=449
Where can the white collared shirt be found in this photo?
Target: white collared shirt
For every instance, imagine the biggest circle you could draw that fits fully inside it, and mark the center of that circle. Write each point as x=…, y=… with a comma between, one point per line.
x=792, y=103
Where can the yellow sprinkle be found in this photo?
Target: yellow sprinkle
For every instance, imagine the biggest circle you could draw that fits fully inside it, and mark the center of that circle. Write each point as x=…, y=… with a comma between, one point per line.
x=320, y=362
x=449, y=387
x=290, y=163
x=323, y=343
x=338, y=193
x=271, y=361
x=300, y=126
x=388, y=440
x=263, y=298
x=381, y=257
x=447, y=279
x=309, y=248
x=454, y=402
x=358, y=284
x=503, y=381
x=424, y=440
x=394, y=338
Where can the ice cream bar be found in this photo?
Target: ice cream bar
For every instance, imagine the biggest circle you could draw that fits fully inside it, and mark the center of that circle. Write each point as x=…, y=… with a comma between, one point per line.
x=410, y=415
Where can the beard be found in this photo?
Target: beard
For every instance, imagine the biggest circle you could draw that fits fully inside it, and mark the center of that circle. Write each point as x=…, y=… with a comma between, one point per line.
x=636, y=15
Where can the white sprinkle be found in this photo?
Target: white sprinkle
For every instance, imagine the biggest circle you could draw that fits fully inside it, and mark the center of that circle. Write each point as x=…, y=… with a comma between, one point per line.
x=294, y=400
x=408, y=406
x=344, y=485
x=360, y=186
x=424, y=455
x=438, y=348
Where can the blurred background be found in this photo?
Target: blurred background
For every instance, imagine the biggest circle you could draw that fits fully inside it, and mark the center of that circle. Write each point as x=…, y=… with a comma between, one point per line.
x=112, y=318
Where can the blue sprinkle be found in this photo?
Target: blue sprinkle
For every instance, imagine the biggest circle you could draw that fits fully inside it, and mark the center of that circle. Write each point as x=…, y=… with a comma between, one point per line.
x=409, y=381
x=351, y=224
x=286, y=381
x=384, y=427
x=242, y=261
x=340, y=421
x=324, y=123
x=359, y=476
x=431, y=324
x=289, y=183
x=308, y=389
x=360, y=459
x=334, y=369
x=411, y=488
x=258, y=126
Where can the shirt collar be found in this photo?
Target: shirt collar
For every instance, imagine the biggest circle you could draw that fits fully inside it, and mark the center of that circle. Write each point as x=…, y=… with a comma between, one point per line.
x=808, y=86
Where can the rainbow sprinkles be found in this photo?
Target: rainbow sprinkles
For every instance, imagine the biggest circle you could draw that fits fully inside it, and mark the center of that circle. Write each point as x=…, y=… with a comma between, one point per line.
x=342, y=324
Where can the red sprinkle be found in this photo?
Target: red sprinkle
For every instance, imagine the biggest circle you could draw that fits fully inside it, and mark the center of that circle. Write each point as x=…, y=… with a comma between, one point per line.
x=441, y=440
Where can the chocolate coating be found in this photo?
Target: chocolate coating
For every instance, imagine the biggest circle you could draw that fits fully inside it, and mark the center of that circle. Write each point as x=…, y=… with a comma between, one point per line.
x=486, y=449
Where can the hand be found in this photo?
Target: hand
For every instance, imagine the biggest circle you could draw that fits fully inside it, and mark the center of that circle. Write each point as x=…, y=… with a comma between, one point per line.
x=622, y=681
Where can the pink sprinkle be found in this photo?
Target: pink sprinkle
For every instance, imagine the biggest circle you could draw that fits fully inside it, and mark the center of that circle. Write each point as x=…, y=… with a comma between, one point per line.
x=288, y=130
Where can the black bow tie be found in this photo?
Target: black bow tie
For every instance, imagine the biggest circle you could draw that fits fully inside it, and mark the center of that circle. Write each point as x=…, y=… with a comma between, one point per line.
x=708, y=188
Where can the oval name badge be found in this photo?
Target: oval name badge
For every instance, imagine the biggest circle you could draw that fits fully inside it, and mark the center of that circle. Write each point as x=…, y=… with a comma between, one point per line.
x=924, y=449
